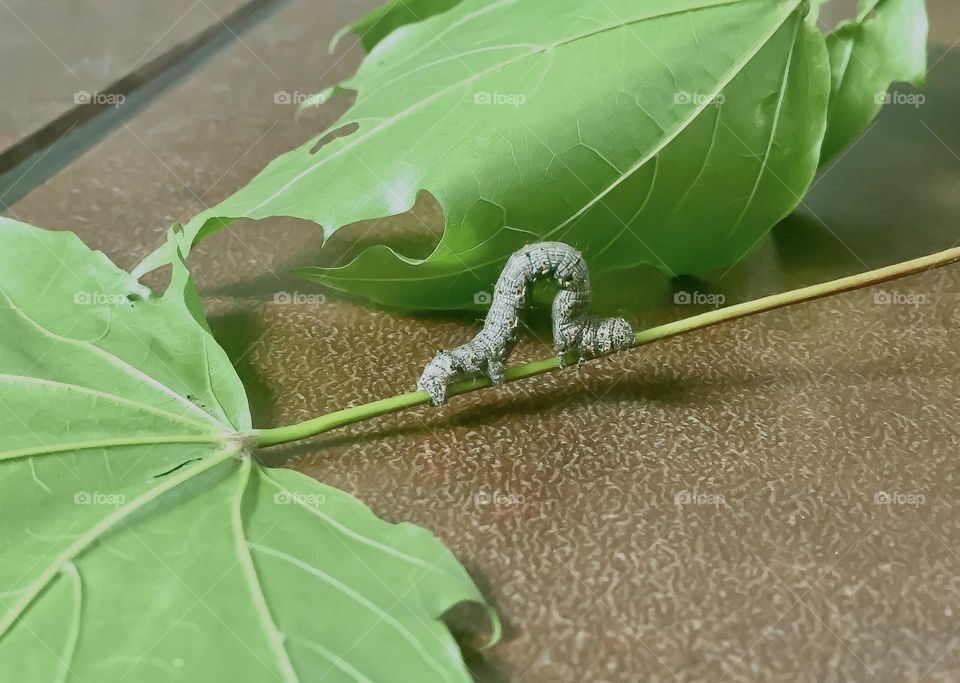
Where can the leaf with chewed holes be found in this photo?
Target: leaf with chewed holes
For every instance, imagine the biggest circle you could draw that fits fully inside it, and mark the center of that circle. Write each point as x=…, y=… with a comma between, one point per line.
x=139, y=538
x=673, y=133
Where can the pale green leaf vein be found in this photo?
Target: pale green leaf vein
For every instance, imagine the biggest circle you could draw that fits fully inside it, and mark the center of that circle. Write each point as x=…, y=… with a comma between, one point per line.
x=356, y=597
x=103, y=527
x=685, y=122
x=111, y=358
x=774, y=128
x=73, y=634
x=347, y=531
x=334, y=659
x=153, y=440
x=114, y=398
x=423, y=103
x=252, y=578
x=682, y=125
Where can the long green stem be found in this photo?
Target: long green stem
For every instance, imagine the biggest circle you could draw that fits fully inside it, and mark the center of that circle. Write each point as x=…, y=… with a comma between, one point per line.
x=324, y=423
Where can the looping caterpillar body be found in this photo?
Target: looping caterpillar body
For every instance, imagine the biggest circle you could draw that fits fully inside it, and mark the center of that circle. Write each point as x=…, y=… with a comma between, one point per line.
x=574, y=331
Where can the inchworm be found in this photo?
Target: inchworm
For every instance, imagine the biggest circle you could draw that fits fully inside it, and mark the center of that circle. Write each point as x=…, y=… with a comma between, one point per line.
x=573, y=329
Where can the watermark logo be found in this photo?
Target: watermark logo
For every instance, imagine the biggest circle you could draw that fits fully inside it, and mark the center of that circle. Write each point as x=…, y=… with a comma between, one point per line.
x=502, y=99
x=294, y=498
x=298, y=98
x=897, y=498
x=299, y=299
x=99, y=498
x=888, y=297
x=496, y=499
x=909, y=99
x=685, y=498
x=699, y=299
x=100, y=299
x=99, y=98
x=483, y=298
x=698, y=99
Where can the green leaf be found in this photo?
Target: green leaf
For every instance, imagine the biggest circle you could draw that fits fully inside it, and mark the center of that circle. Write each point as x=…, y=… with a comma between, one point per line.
x=387, y=18
x=140, y=539
x=672, y=133
x=885, y=43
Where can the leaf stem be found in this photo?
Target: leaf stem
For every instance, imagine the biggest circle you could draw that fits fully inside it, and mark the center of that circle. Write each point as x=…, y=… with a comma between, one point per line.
x=339, y=418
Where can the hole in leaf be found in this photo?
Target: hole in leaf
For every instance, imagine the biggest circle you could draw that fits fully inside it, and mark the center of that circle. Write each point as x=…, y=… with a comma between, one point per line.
x=342, y=131
x=415, y=234
x=834, y=13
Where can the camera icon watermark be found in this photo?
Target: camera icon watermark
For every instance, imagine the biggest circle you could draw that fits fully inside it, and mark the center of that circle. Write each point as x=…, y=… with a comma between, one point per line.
x=509, y=99
x=483, y=298
x=496, y=499
x=101, y=299
x=688, y=498
x=698, y=99
x=896, y=498
x=99, y=98
x=886, y=297
x=909, y=99
x=114, y=500
x=298, y=299
x=295, y=498
x=699, y=299
x=283, y=97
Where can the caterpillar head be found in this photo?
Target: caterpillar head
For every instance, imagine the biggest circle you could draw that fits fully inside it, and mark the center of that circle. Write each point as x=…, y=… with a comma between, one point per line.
x=437, y=375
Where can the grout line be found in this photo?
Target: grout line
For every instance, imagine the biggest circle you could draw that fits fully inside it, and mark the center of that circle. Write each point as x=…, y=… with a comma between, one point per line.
x=87, y=123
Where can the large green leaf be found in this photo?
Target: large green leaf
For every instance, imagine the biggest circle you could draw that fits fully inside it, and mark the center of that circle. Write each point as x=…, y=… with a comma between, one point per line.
x=667, y=132
x=887, y=42
x=140, y=540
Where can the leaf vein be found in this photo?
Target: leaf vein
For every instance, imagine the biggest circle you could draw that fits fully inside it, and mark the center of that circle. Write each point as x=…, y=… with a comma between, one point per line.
x=475, y=77
x=110, y=358
x=101, y=528
x=115, y=398
x=356, y=597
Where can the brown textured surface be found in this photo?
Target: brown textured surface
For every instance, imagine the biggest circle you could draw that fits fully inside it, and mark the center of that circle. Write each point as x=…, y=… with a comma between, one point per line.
x=565, y=496
x=52, y=49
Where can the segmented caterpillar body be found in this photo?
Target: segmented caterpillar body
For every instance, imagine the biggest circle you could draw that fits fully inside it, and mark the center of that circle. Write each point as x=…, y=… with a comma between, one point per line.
x=574, y=331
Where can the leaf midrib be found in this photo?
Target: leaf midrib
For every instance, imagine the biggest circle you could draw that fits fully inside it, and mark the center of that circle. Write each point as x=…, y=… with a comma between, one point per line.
x=118, y=442
x=252, y=578
x=106, y=395
x=774, y=127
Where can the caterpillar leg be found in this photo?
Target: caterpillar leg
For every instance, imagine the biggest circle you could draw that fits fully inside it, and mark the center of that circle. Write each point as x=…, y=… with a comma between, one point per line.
x=496, y=370
x=460, y=363
x=603, y=336
x=593, y=337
